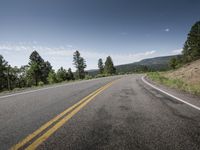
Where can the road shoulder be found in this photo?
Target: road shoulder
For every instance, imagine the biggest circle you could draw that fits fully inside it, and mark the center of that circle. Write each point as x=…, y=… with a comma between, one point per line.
x=190, y=98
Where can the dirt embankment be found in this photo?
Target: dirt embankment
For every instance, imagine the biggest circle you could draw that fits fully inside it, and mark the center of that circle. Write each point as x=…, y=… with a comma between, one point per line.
x=189, y=73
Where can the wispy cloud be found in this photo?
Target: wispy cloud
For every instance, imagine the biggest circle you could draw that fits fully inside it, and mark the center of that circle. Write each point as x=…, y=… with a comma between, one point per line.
x=177, y=51
x=167, y=30
x=18, y=54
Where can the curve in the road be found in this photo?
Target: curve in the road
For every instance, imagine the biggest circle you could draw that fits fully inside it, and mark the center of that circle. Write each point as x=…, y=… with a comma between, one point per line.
x=168, y=94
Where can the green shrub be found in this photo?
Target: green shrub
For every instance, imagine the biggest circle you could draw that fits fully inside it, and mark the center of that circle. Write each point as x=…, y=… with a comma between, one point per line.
x=41, y=83
x=101, y=75
x=87, y=77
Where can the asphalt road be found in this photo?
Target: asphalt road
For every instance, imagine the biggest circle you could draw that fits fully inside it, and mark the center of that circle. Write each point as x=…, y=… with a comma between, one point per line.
x=124, y=114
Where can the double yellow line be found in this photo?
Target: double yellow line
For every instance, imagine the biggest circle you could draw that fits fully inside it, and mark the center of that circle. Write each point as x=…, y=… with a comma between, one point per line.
x=46, y=130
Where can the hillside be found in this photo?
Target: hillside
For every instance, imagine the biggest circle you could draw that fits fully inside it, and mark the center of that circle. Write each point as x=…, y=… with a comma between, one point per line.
x=186, y=78
x=154, y=64
x=189, y=73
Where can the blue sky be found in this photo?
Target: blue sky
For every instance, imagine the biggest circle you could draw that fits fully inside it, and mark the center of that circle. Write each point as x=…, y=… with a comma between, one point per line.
x=128, y=30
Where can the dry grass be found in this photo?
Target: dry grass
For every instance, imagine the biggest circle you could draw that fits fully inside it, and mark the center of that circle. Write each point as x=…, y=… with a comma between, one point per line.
x=186, y=78
x=189, y=73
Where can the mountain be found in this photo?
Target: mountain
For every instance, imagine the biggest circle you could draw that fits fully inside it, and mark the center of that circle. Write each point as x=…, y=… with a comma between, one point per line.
x=153, y=64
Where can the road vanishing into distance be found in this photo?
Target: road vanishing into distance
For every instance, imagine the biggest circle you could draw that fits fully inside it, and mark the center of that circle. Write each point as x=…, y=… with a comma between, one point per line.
x=120, y=112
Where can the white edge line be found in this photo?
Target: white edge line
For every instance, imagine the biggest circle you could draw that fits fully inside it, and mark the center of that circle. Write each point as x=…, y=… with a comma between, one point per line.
x=42, y=89
x=32, y=91
x=183, y=101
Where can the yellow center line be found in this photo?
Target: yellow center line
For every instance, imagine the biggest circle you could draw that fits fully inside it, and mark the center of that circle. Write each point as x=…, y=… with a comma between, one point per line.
x=47, y=134
x=46, y=125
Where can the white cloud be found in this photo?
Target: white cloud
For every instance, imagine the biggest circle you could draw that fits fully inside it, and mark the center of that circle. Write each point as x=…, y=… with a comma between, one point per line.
x=18, y=54
x=177, y=51
x=70, y=46
x=167, y=30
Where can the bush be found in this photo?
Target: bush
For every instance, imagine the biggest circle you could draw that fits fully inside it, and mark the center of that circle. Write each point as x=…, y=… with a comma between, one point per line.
x=41, y=83
x=87, y=77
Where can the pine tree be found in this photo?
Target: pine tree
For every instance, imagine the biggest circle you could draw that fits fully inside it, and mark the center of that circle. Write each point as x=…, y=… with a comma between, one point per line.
x=80, y=64
x=109, y=66
x=191, y=50
x=46, y=68
x=173, y=63
x=70, y=74
x=3, y=73
x=62, y=75
x=35, y=70
x=39, y=69
x=52, y=77
x=100, y=66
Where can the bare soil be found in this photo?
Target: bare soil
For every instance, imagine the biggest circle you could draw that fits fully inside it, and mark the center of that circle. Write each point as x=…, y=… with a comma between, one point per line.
x=189, y=73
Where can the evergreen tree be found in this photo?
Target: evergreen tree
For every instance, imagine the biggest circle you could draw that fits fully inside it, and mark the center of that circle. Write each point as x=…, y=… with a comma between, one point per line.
x=35, y=71
x=100, y=66
x=46, y=68
x=3, y=73
x=109, y=66
x=173, y=63
x=23, y=76
x=80, y=64
x=52, y=77
x=191, y=50
x=70, y=74
x=62, y=75
x=39, y=69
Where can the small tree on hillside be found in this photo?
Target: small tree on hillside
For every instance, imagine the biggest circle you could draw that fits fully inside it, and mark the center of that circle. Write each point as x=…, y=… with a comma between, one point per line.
x=38, y=69
x=35, y=70
x=173, y=63
x=70, y=74
x=100, y=66
x=52, y=77
x=109, y=66
x=61, y=74
x=3, y=73
x=79, y=63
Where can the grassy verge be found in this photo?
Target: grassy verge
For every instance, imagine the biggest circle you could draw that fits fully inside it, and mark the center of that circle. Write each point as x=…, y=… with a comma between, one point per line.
x=49, y=85
x=174, y=83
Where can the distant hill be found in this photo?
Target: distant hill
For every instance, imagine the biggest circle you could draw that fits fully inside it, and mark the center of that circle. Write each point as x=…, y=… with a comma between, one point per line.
x=154, y=64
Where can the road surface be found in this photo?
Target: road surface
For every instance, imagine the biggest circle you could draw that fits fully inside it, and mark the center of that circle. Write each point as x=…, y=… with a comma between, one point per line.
x=120, y=112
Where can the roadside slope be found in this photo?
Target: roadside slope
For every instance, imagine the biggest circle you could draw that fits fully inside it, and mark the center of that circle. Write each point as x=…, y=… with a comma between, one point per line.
x=186, y=78
x=189, y=73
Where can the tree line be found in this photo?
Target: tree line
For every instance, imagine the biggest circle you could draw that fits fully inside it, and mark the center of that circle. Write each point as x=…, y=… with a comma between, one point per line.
x=39, y=72
x=191, y=48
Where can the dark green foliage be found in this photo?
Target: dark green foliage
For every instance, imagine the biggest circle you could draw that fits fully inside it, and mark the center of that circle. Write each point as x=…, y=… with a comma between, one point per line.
x=52, y=77
x=173, y=63
x=109, y=66
x=37, y=72
x=70, y=74
x=3, y=73
x=80, y=65
x=62, y=75
x=191, y=49
x=100, y=66
x=39, y=69
x=23, y=76
x=46, y=68
x=150, y=64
